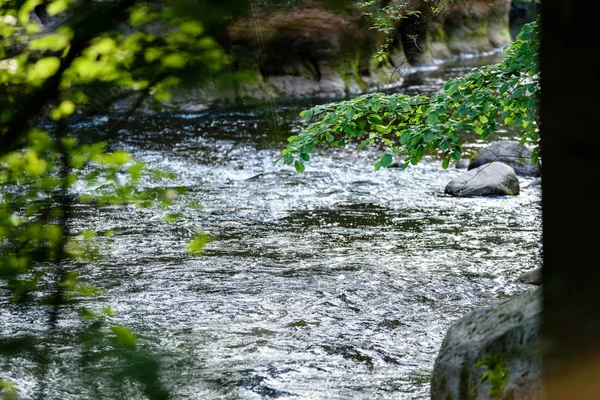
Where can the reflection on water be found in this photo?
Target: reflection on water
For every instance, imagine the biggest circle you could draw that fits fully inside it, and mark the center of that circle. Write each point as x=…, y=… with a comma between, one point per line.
x=336, y=284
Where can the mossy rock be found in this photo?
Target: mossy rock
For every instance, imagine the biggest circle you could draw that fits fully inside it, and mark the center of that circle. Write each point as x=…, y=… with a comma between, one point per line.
x=492, y=353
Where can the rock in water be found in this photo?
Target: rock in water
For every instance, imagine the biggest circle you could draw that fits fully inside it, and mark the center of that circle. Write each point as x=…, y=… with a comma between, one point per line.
x=508, y=152
x=533, y=277
x=492, y=353
x=494, y=179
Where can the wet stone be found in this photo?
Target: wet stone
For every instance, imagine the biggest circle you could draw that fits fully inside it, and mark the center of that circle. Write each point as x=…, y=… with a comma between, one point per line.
x=494, y=179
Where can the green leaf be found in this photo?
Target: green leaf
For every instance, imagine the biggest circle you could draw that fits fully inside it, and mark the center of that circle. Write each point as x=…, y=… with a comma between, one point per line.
x=89, y=291
x=483, y=119
x=124, y=337
x=64, y=109
x=419, y=152
x=44, y=68
x=196, y=246
x=193, y=28
x=152, y=54
x=175, y=60
x=135, y=171
x=50, y=42
x=140, y=15
x=451, y=86
x=172, y=218
x=288, y=158
x=57, y=6
x=386, y=160
x=522, y=141
x=88, y=234
x=299, y=166
x=446, y=162
x=405, y=138
x=374, y=119
x=307, y=114
x=117, y=158
x=518, y=93
x=376, y=105
x=432, y=118
x=348, y=129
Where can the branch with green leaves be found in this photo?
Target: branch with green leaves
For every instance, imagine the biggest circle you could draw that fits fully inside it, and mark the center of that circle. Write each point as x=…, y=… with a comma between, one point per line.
x=483, y=101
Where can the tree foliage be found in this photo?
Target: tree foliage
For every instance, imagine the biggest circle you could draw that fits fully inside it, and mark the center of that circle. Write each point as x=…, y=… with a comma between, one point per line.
x=61, y=59
x=484, y=100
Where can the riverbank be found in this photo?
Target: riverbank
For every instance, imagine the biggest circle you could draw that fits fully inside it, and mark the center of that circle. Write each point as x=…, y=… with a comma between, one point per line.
x=310, y=50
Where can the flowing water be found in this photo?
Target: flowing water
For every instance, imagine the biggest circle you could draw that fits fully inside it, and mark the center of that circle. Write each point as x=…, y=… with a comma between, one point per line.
x=338, y=283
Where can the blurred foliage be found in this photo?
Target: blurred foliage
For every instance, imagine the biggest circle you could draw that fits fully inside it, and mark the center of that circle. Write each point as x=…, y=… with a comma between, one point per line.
x=484, y=100
x=59, y=60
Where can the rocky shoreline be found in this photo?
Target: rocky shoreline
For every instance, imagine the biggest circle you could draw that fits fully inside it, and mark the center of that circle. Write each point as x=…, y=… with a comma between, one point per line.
x=492, y=353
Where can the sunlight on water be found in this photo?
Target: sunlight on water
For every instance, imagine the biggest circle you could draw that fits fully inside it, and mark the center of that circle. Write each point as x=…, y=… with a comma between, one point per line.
x=336, y=284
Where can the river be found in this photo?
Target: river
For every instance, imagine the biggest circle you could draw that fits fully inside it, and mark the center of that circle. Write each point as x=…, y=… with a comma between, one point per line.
x=338, y=283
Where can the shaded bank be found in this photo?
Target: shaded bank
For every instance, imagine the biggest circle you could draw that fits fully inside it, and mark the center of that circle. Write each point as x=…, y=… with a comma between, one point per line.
x=307, y=48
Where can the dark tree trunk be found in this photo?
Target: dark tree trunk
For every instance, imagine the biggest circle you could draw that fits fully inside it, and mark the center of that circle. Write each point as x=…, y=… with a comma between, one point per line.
x=570, y=63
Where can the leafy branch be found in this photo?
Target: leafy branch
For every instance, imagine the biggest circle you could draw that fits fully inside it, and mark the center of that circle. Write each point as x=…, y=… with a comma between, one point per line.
x=484, y=100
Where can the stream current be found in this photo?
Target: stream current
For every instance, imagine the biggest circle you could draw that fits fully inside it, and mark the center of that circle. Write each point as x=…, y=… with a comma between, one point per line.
x=339, y=283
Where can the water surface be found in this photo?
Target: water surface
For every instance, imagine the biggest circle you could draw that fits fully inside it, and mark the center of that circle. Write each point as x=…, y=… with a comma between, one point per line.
x=338, y=283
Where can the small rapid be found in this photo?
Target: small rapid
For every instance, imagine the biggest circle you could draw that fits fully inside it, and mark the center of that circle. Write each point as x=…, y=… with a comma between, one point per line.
x=338, y=283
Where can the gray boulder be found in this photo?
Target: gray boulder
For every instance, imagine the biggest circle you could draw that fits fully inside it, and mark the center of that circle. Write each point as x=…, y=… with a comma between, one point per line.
x=533, y=277
x=508, y=152
x=494, y=179
x=492, y=353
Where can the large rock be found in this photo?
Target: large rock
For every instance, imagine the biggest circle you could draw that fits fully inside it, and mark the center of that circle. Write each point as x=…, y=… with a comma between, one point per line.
x=492, y=353
x=508, y=152
x=494, y=179
x=533, y=277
